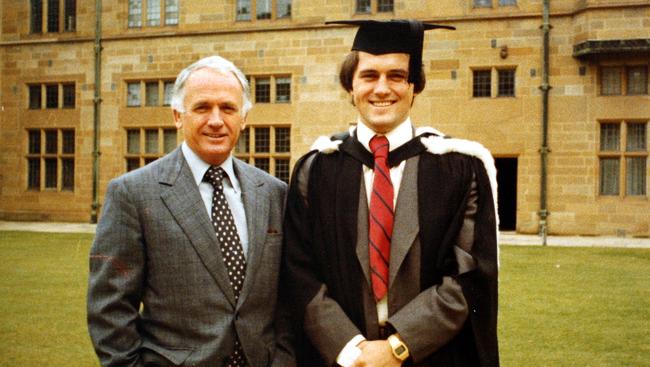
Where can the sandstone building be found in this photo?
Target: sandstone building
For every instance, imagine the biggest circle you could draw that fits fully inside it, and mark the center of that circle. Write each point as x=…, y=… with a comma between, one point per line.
x=561, y=100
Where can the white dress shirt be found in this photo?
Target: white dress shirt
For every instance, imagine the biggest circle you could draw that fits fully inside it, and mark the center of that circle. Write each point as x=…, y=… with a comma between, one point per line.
x=231, y=190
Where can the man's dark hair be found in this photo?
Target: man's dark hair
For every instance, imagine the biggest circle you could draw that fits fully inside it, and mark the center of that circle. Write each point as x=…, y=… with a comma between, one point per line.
x=351, y=62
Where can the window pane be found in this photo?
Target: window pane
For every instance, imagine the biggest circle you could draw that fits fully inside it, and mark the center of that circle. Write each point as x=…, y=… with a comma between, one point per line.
x=610, y=81
x=151, y=141
x=609, y=169
x=636, y=173
x=133, y=94
x=153, y=12
x=507, y=2
x=50, y=142
x=363, y=6
x=169, y=89
x=243, y=144
x=50, y=173
x=636, y=137
x=262, y=163
x=637, y=80
x=610, y=136
x=262, y=90
x=133, y=141
x=70, y=20
x=283, y=9
x=482, y=3
x=51, y=96
x=67, y=172
x=34, y=173
x=151, y=90
x=34, y=142
x=263, y=9
x=482, y=83
x=282, y=140
x=506, y=83
x=37, y=16
x=132, y=163
x=171, y=12
x=135, y=13
x=53, y=15
x=149, y=160
x=282, y=169
x=68, y=96
x=169, y=140
x=68, y=141
x=243, y=9
x=262, y=140
x=384, y=5
x=34, y=97
x=283, y=90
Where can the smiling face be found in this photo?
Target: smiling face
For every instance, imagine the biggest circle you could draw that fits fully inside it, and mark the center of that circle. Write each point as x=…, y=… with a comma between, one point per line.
x=213, y=117
x=381, y=91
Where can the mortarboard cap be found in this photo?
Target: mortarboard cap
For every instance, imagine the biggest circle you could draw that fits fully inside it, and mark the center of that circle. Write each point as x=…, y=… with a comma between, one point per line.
x=392, y=36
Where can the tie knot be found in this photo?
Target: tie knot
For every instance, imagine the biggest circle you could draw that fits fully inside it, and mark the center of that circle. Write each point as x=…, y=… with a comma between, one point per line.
x=214, y=175
x=379, y=145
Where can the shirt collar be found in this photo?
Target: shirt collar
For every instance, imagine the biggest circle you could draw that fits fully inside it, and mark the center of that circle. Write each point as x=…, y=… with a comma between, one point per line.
x=199, y=167
x=396, y=137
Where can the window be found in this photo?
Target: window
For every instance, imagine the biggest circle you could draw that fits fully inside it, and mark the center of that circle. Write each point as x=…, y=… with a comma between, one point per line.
x=154, y=92
x=507, y=2
x=264, y=9
x=58, y=95
x=145, y=145
x=628, y=80
x=153, y=13
x=482, y=83
x=52, y=19
x=50, y=159
x=628, y=165
x=482, y=3
x=374, y=6
x=267, y=148
x=271, y=88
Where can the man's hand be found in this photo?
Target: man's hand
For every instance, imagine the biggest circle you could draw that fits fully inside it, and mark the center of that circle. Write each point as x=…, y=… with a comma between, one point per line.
x=376, y=353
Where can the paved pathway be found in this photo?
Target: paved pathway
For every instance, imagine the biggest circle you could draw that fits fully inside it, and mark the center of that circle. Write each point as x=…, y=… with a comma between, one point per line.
x=506, y=238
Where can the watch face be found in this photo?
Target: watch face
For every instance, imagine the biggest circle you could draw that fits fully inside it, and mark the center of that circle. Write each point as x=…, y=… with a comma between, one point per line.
x=399, y=350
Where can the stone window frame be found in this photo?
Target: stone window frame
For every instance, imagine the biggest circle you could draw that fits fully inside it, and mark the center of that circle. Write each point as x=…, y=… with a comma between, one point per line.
x=50, y=159
x=490, y=3
x=276, y=87
x=140, y=13
x=617, y=176
x=267, y=147
x=164, y=92
x=52, y=16
x=374, y=6
x=44, y=99
x=499, y=86
x=620, y=85
x=264, y=10
x=139, y=150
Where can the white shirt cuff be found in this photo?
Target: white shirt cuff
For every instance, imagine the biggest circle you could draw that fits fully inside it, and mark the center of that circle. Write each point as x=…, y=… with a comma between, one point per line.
x=350, y=352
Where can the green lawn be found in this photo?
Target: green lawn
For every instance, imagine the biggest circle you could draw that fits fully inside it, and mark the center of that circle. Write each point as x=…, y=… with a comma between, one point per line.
x=559, y=306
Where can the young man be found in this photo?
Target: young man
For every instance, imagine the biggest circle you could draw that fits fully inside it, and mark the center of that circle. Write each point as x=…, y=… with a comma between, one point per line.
x=184, y=267
x=390, y=231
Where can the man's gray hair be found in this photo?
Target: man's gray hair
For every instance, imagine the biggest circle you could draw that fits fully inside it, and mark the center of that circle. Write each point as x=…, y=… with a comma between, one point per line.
x=216, y=63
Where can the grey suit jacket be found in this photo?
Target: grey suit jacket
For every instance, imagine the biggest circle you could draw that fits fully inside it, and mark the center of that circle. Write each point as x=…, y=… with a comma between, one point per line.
x=159, y=293
x=425, y=320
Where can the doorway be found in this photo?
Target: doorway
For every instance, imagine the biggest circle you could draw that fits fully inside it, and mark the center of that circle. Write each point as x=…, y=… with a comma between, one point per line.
x=507, y=191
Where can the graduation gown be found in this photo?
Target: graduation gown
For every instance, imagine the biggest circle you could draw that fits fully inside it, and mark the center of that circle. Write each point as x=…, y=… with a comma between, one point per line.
x=323, y=272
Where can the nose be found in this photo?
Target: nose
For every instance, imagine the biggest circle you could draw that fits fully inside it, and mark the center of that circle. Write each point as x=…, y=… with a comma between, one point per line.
x=381, y=86
x=214, y=118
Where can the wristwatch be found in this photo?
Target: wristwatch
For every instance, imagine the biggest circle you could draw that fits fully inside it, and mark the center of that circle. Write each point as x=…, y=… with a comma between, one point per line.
x=400, y=350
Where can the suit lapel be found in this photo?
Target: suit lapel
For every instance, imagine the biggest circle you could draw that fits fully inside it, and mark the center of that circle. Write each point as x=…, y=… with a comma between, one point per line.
x=256, y=207
x=406, y=225
x=181, y=196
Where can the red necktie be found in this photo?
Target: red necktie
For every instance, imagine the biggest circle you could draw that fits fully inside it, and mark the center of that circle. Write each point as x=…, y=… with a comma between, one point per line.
x=381, y=218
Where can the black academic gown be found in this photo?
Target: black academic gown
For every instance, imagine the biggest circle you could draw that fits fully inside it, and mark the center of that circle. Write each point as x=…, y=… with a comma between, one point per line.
x=320, y=236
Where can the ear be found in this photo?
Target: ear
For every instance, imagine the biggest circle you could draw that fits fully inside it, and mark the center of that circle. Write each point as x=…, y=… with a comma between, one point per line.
x=177, y=119
x=243, y=123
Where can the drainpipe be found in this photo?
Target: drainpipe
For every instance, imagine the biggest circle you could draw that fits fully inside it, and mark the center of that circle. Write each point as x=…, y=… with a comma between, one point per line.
x=96, y=109
x=544, y=150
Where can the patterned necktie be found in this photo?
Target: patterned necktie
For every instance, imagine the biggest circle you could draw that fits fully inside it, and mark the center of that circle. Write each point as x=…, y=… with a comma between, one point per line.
x=381, y=218
x=231, y=249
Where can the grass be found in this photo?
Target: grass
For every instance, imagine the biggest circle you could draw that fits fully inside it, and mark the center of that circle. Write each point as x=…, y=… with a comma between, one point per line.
x=558, y=306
